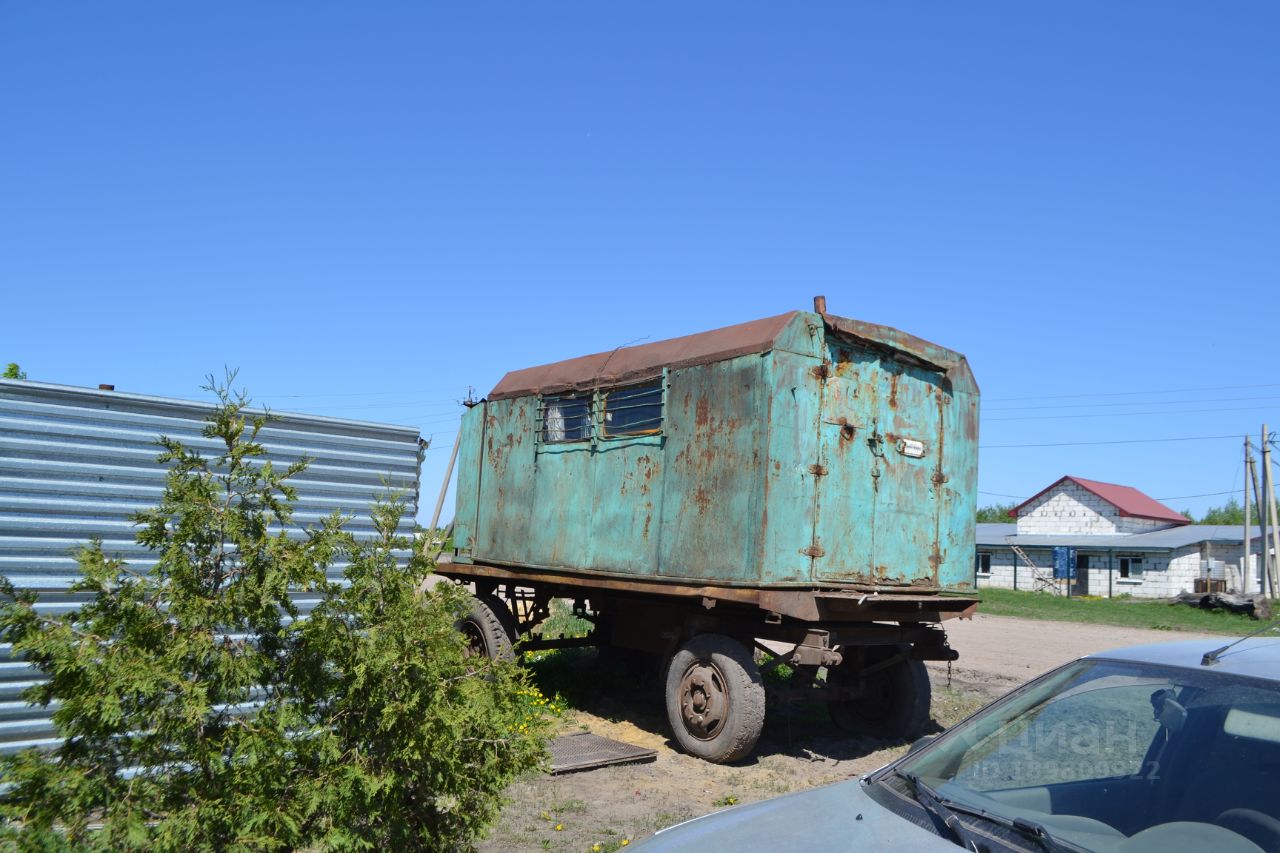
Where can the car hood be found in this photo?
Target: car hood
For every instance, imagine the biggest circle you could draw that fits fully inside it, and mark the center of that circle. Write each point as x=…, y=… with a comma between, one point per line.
x=834, y=817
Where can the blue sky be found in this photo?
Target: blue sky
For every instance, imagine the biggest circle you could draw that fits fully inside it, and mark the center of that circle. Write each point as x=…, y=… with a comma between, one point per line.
x=368, y=208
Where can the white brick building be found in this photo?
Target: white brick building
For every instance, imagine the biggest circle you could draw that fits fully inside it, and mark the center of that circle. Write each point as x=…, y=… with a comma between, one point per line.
x=1120, y=542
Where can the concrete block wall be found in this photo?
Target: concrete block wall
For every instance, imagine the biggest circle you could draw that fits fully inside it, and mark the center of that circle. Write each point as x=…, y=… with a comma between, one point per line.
x=1001, y=568
x=1130, y=524
x=1002, y=565
x=1072, y=510
x=1165, y=574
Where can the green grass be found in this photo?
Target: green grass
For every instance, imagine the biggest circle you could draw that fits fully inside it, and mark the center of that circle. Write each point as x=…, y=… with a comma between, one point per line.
x=562, y=622
x=1127, y=612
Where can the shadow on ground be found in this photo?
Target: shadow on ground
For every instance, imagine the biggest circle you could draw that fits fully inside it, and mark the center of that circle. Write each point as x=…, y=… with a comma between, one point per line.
x=627, y=688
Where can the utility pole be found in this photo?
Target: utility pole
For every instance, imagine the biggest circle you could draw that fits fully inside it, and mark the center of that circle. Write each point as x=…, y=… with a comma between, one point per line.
x=1245, y=580
x=1263, y=562
x=1268, y=478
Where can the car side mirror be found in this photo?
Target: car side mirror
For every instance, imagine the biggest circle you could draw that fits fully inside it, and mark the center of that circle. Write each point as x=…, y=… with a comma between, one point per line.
x=920, y=743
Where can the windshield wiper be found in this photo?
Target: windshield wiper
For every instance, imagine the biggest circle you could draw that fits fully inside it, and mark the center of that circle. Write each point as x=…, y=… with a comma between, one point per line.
x=946, y=810
x=933, y=803
x=1037, y=832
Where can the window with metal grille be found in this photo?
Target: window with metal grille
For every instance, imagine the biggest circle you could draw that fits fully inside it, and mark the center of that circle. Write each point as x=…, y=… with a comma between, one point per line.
x=566, y=418
x=635, y=410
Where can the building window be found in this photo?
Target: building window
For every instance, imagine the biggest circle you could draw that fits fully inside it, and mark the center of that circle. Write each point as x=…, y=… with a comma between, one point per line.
x=635, y=410
x=982, y=564
x=566, y=418
x=1082, y=562
x=1130, y=567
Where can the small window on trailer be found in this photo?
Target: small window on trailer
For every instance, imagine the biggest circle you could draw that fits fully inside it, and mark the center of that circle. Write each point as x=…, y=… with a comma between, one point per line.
x=565, y=418
x=634, y=410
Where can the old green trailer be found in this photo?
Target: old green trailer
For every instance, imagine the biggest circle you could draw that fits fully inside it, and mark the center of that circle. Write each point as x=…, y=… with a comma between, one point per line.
x=805, y=479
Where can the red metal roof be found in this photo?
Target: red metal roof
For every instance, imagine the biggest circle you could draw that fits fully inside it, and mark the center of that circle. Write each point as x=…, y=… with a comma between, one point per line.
x=1128, y=500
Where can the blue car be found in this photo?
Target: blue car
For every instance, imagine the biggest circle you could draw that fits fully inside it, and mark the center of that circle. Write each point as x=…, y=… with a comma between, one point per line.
x=1168, y=748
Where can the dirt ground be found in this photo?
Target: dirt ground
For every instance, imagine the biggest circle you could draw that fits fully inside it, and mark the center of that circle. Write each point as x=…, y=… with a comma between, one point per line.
x=607, y=809
x=997, y=653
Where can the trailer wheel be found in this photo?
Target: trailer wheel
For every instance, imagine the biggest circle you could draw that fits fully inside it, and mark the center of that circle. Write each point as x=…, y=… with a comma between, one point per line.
x=715, y=699
x=489, y=628
x=895, y=700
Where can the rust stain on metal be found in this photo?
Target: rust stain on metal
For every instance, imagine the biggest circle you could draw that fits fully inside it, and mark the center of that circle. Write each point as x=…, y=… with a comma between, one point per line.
x=702, y=414
x=743, y=439
x=702, y=499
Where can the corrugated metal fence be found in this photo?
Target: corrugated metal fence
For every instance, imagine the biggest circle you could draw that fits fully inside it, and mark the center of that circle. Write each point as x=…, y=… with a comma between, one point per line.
x=76, y=463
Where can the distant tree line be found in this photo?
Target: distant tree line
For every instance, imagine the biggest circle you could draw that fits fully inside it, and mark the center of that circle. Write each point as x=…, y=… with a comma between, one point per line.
x=1232, y=512
x=996, y=514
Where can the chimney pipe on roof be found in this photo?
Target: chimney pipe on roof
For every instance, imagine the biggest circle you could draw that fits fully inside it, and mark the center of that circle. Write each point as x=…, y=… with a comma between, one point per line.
x=820, y=304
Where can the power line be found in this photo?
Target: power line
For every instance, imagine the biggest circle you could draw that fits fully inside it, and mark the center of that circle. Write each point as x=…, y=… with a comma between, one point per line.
x=1133, y=393
x=1117, y=441
x=1205, y=495
x=1000, y=495
x=1126, y=414
x=1149, y=402
x=415, y=404
x=402, y=391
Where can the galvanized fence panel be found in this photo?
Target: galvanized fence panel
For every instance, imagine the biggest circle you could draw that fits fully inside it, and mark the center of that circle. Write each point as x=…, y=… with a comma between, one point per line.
x=77, y=463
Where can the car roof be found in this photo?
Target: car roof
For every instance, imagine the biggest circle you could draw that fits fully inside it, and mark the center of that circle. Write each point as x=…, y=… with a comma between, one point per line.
x=1256, y=657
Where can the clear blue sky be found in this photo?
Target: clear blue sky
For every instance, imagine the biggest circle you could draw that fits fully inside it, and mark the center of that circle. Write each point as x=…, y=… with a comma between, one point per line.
x=369, y=207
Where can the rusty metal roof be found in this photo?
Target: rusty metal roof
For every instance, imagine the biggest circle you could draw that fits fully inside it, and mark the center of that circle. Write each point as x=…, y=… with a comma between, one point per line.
x=1128, y=500
x=639, y=363
x=636, y=364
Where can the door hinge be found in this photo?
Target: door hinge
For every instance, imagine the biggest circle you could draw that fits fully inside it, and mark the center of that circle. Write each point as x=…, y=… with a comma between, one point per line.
x=813, y=551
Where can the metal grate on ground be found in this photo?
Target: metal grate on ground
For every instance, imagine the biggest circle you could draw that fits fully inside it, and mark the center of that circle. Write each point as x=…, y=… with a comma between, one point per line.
x=585, y=751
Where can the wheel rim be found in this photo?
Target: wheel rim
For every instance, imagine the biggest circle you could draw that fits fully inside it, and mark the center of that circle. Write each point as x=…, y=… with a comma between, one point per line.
x=704, y=700
x=474, y=638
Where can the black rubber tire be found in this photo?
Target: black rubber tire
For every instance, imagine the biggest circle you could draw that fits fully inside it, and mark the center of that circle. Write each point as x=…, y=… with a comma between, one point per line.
x=490, y=628
x=898, y=701
x=714, y=679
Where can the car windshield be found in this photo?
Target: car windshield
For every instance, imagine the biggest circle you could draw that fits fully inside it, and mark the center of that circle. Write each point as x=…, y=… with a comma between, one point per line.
x=1121, y=756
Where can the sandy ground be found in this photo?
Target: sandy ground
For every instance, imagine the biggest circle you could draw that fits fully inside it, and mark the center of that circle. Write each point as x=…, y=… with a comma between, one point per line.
x=601, y=809
x=997, y=653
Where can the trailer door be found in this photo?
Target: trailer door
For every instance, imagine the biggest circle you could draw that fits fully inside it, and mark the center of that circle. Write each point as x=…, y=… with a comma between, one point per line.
x=844, y=510
x=881, y=442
